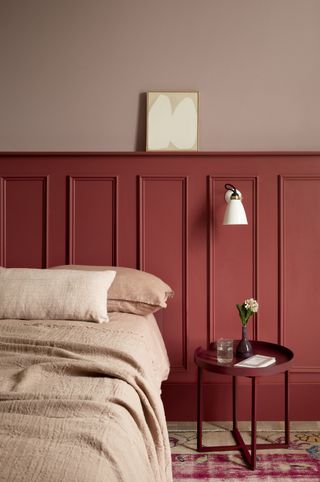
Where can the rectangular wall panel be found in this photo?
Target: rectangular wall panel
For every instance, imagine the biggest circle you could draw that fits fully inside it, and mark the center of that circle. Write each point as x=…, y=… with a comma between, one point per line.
x=24, y=221
x=93, y=220
x=299, y=269
x=163, y=251
x=232, y=258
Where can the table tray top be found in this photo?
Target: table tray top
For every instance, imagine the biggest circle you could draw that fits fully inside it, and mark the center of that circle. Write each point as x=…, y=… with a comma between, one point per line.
x=208, y=359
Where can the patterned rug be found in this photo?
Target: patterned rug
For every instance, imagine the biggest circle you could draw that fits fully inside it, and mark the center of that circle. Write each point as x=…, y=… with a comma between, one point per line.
x=301, y=462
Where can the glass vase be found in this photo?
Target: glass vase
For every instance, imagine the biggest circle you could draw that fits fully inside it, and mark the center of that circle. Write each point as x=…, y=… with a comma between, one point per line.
x=244, y=348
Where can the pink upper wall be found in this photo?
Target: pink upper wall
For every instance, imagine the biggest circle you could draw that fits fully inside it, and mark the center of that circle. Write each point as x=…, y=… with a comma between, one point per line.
x=73, y=73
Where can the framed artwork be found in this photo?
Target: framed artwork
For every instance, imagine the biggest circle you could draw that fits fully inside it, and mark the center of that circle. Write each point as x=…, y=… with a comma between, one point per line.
x=172, y=121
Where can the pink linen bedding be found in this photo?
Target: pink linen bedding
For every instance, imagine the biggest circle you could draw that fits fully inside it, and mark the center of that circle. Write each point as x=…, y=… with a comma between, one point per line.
x=81, y=401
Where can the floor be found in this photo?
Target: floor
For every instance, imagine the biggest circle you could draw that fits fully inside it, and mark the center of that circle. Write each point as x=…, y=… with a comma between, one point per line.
x=185, y=433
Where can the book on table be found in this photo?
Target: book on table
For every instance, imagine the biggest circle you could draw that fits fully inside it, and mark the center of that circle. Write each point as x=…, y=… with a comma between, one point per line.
x=256, y=361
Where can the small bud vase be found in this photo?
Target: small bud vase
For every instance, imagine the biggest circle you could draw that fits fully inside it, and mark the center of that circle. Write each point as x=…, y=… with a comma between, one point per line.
x=244, y=348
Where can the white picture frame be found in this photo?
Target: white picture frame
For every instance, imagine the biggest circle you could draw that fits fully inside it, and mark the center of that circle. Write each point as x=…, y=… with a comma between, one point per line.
x=172, y=121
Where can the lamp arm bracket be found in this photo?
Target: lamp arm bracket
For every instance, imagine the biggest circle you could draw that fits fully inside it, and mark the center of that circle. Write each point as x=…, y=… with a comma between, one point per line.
x=232, y=193
x=230, y=187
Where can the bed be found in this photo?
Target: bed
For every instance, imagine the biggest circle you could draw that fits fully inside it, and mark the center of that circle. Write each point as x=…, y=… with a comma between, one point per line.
x=80, y=401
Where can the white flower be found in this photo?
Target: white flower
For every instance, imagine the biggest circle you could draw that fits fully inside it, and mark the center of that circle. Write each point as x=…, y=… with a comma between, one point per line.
x=251, y=304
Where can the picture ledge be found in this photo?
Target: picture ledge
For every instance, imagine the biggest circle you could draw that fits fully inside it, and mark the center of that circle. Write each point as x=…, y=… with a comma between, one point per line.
x=161, y=153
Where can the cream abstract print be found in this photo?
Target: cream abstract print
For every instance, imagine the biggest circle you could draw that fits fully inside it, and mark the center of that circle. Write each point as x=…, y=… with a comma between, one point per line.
x=172, y=121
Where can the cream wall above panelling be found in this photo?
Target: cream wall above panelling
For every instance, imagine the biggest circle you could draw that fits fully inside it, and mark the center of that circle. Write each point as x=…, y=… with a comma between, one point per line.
x=73, y=73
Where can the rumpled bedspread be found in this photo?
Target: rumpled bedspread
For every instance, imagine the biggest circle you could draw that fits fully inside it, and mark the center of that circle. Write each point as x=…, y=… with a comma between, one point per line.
x=80, y=402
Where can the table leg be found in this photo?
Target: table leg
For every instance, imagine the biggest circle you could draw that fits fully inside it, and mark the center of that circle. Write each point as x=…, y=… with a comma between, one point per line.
x=199, y=410
x=250, y=459
x=253, y=424
x=234, y=402
x=286, y=401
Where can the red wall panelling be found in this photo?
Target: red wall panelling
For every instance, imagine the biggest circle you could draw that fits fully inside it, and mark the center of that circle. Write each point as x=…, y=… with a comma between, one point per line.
x=93, y=214
x=24, y=221
x=163, y=234
x=163, y=213
x=299, y=269
x=232, y=251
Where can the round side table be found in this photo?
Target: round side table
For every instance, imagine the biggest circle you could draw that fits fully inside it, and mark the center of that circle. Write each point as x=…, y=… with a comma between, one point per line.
x=207, y=360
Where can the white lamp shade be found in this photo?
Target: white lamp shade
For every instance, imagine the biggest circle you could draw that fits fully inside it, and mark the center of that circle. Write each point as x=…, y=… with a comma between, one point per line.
x=235, y=213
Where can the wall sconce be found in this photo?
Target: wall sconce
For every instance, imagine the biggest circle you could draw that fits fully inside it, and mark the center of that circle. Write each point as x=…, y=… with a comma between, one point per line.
x=235, y=213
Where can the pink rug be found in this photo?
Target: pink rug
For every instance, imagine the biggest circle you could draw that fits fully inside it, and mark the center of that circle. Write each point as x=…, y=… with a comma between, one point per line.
x=222, y=467
x=301, y=462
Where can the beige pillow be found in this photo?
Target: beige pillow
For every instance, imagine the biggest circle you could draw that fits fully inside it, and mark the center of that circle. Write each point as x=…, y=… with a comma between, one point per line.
x=45, y=294
x=133, y=291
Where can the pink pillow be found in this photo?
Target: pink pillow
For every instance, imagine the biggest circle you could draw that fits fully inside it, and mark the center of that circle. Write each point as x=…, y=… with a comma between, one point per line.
x=133, y=291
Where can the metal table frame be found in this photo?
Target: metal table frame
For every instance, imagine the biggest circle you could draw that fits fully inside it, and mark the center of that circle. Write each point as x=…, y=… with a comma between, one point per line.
x=207, y=360
x=250, y=459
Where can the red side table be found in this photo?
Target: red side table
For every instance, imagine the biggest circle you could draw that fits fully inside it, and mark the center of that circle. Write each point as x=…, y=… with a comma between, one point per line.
x=207, y=360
